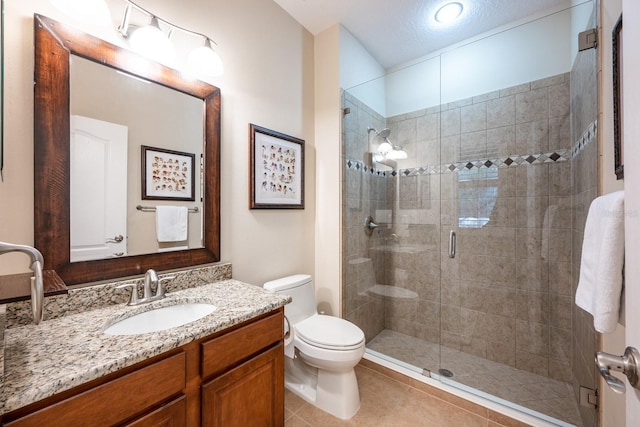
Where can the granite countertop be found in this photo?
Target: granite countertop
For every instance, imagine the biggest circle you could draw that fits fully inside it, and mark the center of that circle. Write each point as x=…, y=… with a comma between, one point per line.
x=61, y=353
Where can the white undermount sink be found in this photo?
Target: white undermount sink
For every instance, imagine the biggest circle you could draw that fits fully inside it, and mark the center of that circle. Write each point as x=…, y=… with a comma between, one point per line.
x=160, y=319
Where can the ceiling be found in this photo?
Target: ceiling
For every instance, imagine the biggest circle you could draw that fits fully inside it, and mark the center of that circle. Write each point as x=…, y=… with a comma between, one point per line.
x=397, y=31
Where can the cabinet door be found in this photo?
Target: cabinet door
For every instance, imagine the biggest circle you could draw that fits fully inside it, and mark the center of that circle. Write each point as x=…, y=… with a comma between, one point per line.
x=173, y=414
x=250, y=395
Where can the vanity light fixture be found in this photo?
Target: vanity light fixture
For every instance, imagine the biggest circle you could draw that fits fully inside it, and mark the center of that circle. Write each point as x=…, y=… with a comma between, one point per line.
x=449, y=12
x=389, y=151
x=397, y=154
x=204, y=60
x=154, y=43
x=385, y=151
x=385, y=147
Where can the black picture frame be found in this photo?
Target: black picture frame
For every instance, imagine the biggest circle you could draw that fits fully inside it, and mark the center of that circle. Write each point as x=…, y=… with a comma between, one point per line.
x=618, y=140
x=276, y=170
x=167, y=174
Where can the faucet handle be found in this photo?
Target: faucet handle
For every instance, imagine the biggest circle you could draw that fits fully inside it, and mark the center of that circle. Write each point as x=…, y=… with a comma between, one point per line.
x=160, y=289
x=133, y=299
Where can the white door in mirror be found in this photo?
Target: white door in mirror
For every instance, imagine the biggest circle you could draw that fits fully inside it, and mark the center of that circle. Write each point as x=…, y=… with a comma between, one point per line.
x=98, y=189
x=161, y=319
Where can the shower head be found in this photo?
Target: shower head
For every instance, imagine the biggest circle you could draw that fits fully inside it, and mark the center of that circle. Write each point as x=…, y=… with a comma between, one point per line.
x=384, y=133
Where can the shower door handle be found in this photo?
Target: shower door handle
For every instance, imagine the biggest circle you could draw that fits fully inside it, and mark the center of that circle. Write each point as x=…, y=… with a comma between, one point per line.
x=452, y=244
x=627, y=364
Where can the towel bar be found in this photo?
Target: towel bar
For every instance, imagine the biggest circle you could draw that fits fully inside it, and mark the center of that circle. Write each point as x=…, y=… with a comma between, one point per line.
x=153, y=209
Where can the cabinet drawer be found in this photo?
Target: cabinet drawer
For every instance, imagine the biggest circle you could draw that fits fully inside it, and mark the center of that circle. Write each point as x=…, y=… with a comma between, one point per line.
x=173, y=414
x=228, y=349
x=116, y=400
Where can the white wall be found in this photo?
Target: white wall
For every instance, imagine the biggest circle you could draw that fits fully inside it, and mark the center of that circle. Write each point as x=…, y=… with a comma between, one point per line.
x=414, y=88
x=268, y=81
x=328, y=113
x=360, y=73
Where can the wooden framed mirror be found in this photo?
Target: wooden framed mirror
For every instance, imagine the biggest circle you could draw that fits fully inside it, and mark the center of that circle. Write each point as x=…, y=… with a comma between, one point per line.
x=55, y=46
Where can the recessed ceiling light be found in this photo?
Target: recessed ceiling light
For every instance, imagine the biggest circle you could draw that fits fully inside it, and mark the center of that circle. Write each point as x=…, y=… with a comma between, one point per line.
x=449, y=12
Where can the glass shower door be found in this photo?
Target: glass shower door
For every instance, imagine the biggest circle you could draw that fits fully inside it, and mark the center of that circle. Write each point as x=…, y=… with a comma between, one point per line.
x=506, y=190
x=391, y=169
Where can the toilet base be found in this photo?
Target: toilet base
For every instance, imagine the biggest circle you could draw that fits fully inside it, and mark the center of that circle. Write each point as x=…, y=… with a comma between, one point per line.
x=334, y=392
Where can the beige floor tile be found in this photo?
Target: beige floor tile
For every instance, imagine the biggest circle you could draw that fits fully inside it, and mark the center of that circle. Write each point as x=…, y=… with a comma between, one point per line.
x=295, y=421
x=388, y=403
x=515, y=385
x=292, y=402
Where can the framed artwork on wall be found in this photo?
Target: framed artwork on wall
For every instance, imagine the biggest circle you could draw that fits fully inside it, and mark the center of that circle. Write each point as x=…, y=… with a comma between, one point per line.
x=276, y=170
x=616, y=37
x=167, y=174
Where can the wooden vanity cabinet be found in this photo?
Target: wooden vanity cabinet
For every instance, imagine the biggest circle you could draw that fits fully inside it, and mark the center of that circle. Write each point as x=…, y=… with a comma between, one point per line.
x=232, y=378
x=250, y=393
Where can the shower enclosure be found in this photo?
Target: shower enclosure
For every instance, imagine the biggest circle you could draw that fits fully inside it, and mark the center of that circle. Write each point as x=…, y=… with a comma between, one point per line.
x=465, y=181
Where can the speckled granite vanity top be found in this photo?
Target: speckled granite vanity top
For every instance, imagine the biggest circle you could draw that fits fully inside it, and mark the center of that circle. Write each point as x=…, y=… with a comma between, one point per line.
x=64, y=352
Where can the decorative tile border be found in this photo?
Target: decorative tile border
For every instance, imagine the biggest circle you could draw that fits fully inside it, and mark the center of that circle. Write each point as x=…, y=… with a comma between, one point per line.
x=503, y=162
x=590, y=135
x=360, y=166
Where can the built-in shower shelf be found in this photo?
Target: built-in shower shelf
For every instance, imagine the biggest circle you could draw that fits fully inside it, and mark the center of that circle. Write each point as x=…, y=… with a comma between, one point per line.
x=359, y=260
x=388, y=291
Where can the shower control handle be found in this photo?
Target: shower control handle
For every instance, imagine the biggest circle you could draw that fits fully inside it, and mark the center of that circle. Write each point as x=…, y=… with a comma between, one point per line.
x=627, y=364
x=368, y=223
x=452, y=244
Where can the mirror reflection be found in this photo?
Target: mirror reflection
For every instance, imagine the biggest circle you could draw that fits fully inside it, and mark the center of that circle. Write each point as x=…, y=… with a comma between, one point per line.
x=114, y=114
x=177, y=121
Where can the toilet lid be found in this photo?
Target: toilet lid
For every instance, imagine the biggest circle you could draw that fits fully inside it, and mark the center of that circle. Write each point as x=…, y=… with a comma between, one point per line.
x=330, y=332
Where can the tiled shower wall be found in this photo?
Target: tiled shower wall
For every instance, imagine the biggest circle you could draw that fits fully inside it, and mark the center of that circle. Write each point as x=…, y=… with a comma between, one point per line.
x=502, y=156
x=584, y=107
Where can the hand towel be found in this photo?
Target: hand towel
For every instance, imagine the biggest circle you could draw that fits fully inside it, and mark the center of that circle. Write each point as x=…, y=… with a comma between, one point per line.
x=171, y=223
x=600, y=284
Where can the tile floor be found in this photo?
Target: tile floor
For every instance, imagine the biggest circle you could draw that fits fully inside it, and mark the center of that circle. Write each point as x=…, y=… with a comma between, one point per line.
x=386, y=402
x=542, y=394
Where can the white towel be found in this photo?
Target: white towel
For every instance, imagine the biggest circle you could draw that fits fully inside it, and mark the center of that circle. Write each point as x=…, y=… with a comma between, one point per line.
x=600, y=285
x=171, y=223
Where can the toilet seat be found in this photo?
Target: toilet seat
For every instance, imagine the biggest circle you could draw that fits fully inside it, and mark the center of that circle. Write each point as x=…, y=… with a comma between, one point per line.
x=331, y=333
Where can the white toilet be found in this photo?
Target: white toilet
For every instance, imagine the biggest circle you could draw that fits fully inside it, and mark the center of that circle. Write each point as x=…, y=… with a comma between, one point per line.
x=321, y=351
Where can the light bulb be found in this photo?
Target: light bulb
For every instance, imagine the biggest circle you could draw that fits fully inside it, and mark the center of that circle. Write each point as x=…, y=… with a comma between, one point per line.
x=397, y=154
x=384, y=148
x=392, y=155
x=205, y=61
x=378, y=158
x=152, y=43
x=449, y=12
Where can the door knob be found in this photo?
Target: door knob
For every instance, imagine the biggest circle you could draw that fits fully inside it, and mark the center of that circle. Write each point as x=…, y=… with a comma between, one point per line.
x=627, y=364
x=117, y=239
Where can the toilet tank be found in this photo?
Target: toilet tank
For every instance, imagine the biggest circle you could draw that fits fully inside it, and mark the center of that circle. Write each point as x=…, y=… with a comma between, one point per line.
x=300, y=288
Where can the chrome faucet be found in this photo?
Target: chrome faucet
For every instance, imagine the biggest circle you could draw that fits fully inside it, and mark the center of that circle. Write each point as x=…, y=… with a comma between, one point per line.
x=37, y=287
x=150, y=279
